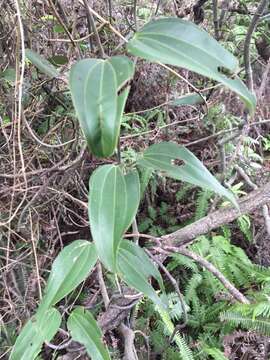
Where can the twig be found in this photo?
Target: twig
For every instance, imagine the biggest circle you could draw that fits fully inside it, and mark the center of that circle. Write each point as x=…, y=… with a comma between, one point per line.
x=135, y=231
x=129, y=336
x=176, y=287
x=210, y=267
x=93, y=26
x=102, y=286
x=61, y=22
x=215, y=18
x=251, y=29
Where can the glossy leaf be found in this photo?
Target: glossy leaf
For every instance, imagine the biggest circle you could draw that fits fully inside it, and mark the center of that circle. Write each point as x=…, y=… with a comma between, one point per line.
x=41, y=63
x=94, y=85
x=37, y=330
x=161, y=157
x=72, y=265
x=113, y=203
x=181, y=43
x=84, y=329
x=135, y=267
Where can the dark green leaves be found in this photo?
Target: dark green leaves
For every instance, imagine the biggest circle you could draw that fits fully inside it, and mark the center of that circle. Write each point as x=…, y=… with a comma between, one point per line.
x=113, y=203
x=94, y=86
x=38, y=329
x=162, y=157
x=135, y=268
x=84, y=329
x=181, y=43
x=73, y=264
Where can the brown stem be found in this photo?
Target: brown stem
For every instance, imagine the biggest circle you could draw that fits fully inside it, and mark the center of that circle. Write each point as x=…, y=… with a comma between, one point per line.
x=251, y=29
x=210, y=267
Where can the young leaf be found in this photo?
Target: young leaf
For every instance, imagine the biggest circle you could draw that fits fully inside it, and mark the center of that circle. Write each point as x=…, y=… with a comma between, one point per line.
x=134, y=267
x=72, y=265
x=40, y=328
x=85, y=330
x=181, y=43
x=113, y=203
x=161, y=157
x=41, y=63
x=94, y=86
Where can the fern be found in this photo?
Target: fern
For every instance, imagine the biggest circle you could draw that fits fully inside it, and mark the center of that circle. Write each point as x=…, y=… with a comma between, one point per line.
x=183, y=261
x=261, y=325
x=244, y=225
x=182, y=193
x=184, y=350
x=202, y=203
x=215, y=353
x=190, y=292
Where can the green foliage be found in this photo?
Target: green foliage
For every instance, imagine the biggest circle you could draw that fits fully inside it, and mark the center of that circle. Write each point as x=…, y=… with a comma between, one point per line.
x=99, y=92
x=161, y=157
x=42, y=327
x=42, y=64
x=84, y=329
x=181, y=43
x=113, y=203
x=73, y=264
x=95, y=85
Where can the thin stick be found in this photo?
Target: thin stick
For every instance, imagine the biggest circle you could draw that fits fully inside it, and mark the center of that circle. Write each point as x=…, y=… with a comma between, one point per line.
x=35, y=256
x=93, y=26
x=210, y=267
x=102, y=286
x=250, y=31
x=61, y=22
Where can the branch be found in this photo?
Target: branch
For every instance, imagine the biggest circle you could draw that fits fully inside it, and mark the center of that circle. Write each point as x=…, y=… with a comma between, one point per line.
x=210, y=267
x=247, y=204
x=251, y=29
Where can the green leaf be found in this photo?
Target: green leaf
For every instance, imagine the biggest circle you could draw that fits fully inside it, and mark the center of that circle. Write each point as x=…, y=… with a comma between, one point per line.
x=161, y=157
x=181, y=43
x=37, y=330
x=72, y=265
x=42, y=64
x=124, y=69
x=189, y=99
x=94, y=86
x=58, y=60
x=135, y=267
x=84, y=329
x=113, y=203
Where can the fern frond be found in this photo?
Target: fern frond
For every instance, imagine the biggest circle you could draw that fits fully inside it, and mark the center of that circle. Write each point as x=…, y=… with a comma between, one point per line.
x=260, y=325
x=202, y=203
x=182, y=193
x=181, y=260
x=184, y=350
x=215, y=353
x=192, y=286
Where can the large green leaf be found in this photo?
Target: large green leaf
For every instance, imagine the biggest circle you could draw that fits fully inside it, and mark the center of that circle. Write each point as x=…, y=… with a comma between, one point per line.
x=85, y=330
x=41, y=63
x=113, y=203
x=181, y=43
x=37, y=330
x=162, y=156
x=134, y=267
x=94, y=85
x=73, y=264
